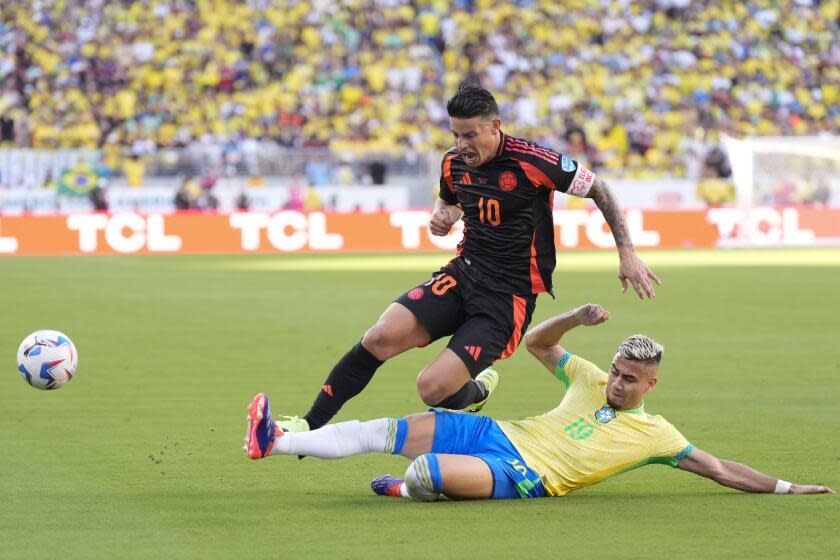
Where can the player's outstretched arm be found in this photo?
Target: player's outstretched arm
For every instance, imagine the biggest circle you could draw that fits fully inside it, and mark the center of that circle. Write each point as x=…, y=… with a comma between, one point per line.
x=543, y=341
x=444, y=217
x=631, y=268
x=741, y=477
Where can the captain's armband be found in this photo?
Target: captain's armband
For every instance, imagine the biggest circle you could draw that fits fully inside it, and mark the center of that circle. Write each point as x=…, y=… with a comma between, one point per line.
x=582, y=182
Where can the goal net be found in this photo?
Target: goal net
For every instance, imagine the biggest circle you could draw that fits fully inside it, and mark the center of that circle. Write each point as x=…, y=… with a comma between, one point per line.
x=785, y=170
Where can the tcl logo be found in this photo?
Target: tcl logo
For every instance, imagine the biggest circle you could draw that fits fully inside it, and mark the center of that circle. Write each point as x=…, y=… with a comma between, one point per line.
x=286, y=231
x=571, y=223
x=761, y=226
x=124, y=233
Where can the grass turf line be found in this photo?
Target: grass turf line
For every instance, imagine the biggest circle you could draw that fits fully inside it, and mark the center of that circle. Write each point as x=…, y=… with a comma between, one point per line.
x=566, y=261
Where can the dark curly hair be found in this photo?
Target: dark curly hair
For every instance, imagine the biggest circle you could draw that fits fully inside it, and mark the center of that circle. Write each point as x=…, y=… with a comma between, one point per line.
x=472, y=100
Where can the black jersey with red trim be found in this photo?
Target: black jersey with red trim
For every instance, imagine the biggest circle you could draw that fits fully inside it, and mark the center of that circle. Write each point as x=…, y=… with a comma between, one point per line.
x=507, y=204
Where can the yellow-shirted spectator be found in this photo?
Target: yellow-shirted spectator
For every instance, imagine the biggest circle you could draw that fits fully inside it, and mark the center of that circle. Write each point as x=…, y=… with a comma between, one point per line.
x=224, y=67
x=311, y=199
x=134, y=170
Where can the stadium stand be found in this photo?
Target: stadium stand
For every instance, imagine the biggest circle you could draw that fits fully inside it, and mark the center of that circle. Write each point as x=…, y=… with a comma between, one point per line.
x=640, y=89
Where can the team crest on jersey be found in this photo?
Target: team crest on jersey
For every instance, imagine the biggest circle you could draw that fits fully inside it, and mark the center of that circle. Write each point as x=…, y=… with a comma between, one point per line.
x=507, y=181
x=605, y=414
x=567, y=164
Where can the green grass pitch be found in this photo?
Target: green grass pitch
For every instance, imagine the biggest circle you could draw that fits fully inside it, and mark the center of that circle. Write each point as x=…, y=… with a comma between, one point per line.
x=140, y=455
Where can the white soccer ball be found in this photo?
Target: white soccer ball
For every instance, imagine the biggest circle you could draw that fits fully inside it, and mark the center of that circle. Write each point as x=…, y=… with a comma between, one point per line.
x=47, y=359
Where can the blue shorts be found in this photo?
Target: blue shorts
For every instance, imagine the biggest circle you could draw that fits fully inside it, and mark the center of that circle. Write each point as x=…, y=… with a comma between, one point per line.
x=457, y=433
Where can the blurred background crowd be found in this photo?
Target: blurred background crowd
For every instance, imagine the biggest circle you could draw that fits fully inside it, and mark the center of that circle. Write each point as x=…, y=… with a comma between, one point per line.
x=636, y=89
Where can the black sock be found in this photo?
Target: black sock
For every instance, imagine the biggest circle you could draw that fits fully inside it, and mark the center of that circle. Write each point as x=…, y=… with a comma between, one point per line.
x=471, y=392
x=350, y=375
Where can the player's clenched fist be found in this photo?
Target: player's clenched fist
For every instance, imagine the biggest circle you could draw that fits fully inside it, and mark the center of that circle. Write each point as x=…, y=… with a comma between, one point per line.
x=591, y=314
x=443, y=219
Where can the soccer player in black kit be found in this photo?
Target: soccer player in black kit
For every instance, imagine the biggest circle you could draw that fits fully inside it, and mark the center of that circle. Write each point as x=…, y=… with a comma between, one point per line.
x=503, y=188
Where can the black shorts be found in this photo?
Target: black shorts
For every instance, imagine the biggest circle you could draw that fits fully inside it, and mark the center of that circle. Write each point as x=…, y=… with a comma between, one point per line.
x=486, y=325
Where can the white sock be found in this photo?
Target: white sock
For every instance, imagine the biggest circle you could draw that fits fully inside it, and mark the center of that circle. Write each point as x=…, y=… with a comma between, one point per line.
x=418, y=483
x=335, y=441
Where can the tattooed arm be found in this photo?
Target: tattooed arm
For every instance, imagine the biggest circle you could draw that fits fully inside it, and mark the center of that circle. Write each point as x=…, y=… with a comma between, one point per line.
x=631, y=269
x=608, y=205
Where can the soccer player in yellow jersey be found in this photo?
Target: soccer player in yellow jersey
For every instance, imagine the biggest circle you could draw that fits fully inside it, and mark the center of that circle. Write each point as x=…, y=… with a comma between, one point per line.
x=600, y=429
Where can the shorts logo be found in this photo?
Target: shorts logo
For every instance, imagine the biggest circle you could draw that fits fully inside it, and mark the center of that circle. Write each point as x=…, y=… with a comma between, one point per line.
x=415, y=294
x=566, y=164
x=327, y=389
x=507, y=181
x=604, y=414
x=473, y=351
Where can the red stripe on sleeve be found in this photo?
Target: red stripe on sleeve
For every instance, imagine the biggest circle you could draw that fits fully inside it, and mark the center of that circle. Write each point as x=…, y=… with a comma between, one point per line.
x=533, y=149
x=447, y=173
x=518, y=321
x=537, y=177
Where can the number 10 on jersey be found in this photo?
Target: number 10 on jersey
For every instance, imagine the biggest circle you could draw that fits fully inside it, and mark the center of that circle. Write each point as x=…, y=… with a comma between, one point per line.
x=493, y=215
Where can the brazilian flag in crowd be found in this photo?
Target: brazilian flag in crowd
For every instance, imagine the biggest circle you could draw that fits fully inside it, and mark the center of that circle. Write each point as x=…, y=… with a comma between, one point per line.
x=79, y=180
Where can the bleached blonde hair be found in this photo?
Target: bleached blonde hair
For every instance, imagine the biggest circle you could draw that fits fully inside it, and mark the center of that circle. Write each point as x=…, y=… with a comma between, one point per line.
x=641, y=348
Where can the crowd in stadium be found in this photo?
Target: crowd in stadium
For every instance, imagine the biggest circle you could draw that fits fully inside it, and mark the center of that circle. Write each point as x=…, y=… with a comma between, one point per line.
x=643, y=88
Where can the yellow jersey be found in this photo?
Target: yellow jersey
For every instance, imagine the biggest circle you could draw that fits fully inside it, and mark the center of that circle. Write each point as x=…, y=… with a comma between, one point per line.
x=584, y=441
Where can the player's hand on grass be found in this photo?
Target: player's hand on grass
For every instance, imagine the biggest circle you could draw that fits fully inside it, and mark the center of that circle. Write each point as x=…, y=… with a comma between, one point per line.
x=810, y=489
x=442, y=221
x=591, y=314
x=635, y=272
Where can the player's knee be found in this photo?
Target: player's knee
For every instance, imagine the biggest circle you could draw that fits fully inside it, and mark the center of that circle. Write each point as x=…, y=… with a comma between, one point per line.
x=379, y=341
x=431, y=389
x=422, y=479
